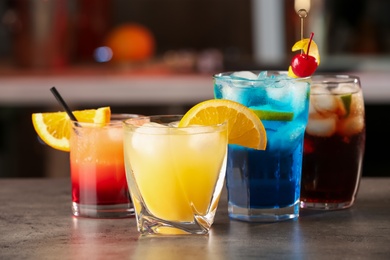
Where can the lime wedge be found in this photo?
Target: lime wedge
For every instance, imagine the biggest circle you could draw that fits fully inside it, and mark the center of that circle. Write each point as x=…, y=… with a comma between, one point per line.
x=346, y=99
x=273, y=115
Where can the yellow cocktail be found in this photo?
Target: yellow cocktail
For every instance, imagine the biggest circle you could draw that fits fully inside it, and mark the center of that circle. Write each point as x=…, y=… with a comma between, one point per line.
x=175, y=174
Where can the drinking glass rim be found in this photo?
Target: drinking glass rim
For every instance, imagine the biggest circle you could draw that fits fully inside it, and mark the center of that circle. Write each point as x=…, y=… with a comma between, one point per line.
x=221, y=76
x=116, y=120
x=335, y=79
x=128, y=123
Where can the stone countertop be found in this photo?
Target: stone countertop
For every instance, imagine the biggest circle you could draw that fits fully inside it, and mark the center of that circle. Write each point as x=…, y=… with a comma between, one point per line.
x=36, y=223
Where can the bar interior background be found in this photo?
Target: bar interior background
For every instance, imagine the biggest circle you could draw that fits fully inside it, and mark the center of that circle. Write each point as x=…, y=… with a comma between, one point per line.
x=193, y=38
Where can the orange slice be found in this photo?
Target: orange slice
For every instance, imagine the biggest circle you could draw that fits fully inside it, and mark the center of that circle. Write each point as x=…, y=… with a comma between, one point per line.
x=54, y=127
x=244, y=126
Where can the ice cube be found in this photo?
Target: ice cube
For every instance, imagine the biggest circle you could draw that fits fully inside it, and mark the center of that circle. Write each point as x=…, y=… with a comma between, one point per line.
x=345, y=88
x=312, y=110
x=280, y=94
x=357, y=104
x=244, y=75
x=351, y=125
x=201, y=137
x=323, y=101
x=196, y=129
x=287, y=137
x=319, y=89
x=152, y=128
x=263, y=75
x=115, y=133
x=196, y=137
x=321, y=126
x=146, y=138
x=233, y=93
x=299, y=96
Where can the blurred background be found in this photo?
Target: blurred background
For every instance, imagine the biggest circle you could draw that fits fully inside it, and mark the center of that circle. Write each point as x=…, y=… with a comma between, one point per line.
x=153, y=57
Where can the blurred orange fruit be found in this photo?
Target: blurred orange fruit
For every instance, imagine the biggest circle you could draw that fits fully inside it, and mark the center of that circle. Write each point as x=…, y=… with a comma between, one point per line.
x=131, y=42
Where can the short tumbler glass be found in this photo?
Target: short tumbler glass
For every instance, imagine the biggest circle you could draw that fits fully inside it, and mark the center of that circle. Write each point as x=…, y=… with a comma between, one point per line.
x=334, y=143
x=264, y=186
x=175, y=174
x=99, y=187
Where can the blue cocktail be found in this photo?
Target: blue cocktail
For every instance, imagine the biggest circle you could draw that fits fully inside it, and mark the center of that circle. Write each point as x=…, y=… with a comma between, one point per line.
x=265, y=185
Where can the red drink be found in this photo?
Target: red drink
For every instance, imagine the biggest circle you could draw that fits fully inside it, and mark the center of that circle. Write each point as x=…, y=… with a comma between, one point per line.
x=99, y=186
x=334, y=143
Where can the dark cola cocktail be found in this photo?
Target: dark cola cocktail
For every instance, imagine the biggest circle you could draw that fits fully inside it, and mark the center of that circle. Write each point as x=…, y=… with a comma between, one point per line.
x=334, y=143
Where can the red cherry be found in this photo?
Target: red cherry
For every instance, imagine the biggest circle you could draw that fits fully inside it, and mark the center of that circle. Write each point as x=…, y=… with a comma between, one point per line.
x=303, y=65
x=308, y=146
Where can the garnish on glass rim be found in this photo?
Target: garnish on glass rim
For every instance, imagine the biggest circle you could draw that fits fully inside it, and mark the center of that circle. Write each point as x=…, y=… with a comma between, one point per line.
x=306, y=63
x=53, y=128
x=303, y=64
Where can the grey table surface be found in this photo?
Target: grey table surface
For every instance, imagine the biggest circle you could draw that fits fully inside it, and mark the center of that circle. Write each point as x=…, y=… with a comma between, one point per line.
x=36, y=223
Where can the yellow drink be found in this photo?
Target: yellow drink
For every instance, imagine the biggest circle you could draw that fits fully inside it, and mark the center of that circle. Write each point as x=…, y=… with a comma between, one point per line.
x=176, y=174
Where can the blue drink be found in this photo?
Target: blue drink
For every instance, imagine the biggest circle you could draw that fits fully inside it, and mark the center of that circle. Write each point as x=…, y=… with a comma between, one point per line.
x=265, y=185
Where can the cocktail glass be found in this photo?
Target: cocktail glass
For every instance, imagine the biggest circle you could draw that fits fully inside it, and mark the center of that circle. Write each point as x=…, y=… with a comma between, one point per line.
x=99, y=187
x=334, y=143
x=175, y=175
x=264, y=186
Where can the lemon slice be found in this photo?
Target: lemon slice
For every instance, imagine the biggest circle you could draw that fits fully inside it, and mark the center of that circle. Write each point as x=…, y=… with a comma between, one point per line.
x=244, y=126
x=347, y=99
x=54, y=127
x=291, y=73
x=302, y=45
x=273, y=115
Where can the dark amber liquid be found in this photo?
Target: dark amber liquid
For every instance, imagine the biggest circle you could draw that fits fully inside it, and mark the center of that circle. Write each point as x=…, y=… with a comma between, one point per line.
x=331, y=168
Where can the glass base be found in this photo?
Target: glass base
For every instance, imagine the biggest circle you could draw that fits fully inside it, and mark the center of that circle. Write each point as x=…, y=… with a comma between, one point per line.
x=149, y=225
x=325, y=205
x=264, y=215
x=103, y=211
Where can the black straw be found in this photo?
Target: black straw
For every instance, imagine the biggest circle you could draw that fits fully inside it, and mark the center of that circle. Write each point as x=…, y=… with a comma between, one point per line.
x=63, y=103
